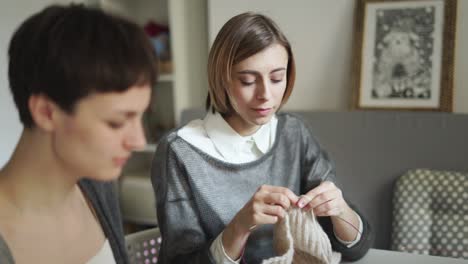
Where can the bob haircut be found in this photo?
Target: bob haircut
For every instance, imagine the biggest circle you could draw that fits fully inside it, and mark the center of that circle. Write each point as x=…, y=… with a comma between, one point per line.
x=67, y=53
x=241, y=37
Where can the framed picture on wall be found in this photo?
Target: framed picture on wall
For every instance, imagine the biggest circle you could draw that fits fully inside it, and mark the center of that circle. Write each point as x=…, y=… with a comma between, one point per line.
x=404, y=54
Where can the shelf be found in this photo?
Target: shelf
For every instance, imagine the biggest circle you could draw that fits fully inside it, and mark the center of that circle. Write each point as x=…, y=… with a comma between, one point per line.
x=166, y=77
x=149, y=148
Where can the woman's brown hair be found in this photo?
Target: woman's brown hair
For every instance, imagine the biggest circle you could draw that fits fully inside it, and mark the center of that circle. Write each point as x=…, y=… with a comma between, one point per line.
x=69, y=52
x=241, y=37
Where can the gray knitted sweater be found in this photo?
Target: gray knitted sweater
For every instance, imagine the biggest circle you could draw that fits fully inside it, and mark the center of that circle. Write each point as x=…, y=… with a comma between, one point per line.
x=198, y=195
x=104, y=200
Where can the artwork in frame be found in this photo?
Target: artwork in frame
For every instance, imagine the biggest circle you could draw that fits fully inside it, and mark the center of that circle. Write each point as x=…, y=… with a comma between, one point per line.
x=404, y=54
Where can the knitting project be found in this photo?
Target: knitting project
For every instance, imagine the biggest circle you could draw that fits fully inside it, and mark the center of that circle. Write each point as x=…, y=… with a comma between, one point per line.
x=299, y=239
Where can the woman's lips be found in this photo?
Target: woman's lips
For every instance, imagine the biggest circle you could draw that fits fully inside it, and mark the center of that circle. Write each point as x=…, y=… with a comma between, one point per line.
x=120, y=161
x=263, y=111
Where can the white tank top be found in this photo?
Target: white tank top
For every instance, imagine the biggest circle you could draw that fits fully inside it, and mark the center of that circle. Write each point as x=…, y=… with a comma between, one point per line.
x=104, y=255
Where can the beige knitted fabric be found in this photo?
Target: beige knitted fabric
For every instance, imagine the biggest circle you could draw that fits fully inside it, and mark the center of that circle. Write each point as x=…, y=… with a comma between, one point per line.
x=283, y=245
x=299, y=239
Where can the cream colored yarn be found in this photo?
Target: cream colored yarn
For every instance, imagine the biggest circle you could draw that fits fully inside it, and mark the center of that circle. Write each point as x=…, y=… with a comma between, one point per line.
x=299, y=239
x=283, y=245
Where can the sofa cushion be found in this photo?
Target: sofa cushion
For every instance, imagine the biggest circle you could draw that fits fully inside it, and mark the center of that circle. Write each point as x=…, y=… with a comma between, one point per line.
x=430, y=213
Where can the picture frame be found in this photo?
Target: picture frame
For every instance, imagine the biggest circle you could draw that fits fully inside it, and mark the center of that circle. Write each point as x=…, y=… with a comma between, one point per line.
x=403, y=55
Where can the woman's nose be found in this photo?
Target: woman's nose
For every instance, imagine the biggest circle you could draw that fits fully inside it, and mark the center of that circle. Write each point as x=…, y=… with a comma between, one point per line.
x=263, y=90
x=135, y=139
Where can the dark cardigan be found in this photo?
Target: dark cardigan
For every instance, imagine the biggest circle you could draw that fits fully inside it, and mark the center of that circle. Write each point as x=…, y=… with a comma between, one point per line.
x=103, y=197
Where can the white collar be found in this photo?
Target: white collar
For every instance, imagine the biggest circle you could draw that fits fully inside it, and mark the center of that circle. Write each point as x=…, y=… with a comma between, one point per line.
x=228, y=142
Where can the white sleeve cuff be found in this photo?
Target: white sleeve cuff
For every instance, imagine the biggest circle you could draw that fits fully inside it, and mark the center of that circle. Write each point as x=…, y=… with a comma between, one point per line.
x=217, y=250
x=358, y=237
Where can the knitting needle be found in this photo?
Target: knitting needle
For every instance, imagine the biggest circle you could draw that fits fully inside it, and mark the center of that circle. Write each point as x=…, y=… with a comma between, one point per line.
x=342, y=219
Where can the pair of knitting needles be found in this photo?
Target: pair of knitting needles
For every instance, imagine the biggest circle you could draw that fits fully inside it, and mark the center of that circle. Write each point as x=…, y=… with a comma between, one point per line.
x=337, y=216
x=341, y=218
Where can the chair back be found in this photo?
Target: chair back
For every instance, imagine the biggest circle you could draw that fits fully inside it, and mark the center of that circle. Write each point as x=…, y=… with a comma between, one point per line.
x=430, y=213
x=143, y=246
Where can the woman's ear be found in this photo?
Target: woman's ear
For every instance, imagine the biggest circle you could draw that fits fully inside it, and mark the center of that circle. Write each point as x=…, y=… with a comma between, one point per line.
x=43, y=111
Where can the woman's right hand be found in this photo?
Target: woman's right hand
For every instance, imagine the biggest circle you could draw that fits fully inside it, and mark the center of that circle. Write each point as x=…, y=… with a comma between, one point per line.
x=267, y=206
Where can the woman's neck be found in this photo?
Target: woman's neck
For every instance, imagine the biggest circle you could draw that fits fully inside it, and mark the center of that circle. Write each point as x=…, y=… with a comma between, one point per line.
x=33, y=178
x=241, y=126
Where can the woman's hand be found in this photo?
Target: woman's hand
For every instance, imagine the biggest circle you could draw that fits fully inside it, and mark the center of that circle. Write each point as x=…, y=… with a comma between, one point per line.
x=327, y=200
x=267, y=206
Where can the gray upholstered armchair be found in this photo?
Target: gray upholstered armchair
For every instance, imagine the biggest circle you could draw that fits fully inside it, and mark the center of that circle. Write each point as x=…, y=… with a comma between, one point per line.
x=430, y=213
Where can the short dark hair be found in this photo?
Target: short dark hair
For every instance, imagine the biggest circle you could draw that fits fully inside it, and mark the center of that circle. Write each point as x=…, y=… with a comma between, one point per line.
x=69, y=52
x=242, y=36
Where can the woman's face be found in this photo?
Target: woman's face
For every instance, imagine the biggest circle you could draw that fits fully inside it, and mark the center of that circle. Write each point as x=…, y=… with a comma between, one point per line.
x=258, y=86
x=96, y=140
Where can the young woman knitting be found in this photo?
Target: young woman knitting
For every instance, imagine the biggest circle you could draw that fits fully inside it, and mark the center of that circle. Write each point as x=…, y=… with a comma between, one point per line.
x=221, y=182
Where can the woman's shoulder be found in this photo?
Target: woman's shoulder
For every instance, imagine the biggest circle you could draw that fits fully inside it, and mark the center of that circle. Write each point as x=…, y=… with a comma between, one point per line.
x=167, y=140
x=292, y=121
x=293, y=125
x=101, y=193
x=194, y=129
x=290, y=117
x=5, y=254
x=105, y=188
x=193, y=133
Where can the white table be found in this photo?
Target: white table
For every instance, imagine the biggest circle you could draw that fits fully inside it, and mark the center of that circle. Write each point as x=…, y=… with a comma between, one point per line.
x=378, y=256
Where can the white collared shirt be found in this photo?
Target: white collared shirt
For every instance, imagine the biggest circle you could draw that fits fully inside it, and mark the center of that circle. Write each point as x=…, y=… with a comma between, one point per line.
x=214, y=136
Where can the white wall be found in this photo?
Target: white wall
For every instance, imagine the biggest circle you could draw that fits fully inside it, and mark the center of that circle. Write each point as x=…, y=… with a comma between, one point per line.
x=140, y=11
x=321, y=33
x=460, y=102
x=190, y=53
x=188, y=30
x=12, y=13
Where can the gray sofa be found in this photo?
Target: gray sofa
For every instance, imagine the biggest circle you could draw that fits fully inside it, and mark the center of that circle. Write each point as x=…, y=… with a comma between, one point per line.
x=371, y=149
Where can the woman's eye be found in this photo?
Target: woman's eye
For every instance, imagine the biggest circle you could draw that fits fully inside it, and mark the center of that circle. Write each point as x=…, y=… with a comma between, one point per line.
x=247, y=83
x=276, y=80
x=115, y=125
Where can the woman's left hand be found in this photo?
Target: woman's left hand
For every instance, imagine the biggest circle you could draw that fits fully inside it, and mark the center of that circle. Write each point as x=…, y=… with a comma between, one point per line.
x=325, y=199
